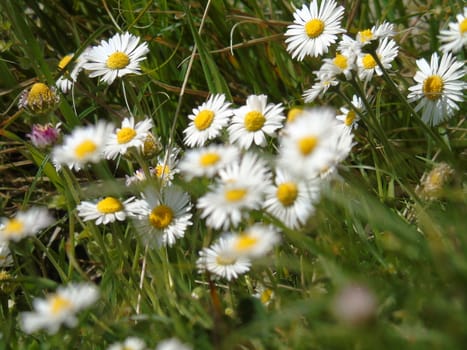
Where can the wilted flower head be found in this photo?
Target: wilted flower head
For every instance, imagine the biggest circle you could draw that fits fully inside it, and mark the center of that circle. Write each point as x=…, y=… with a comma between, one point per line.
x=39, y=99
x=43, y=136
x=433, y=183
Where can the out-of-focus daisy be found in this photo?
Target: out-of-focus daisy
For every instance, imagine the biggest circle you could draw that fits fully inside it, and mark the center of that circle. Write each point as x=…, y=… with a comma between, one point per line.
x=39, y=99
x=84, y=145
x=255, y=241
x=387, y=51
x=167, y=216
x=434, y=182
x=130, y=343
x=5, y=255
x=172, y=344
x=207, y=161
x=439, y=88
x=119, y=56
x=350, y=116
x=129, y=135
x=354, y=305
x=454, y=39
x=314, y=29
x=240, y=188
x=342, y=139
x=207, y=121
x=294, y=113
x=70, y=75
x=378, y=31
x=43, y=136
x=220, y=260
x=24, y=224
x=253, y=121
x=59, y=308
x=291, y=199
x=109, y=209
x=167, y=167
x=264, y=294
x=319, y=88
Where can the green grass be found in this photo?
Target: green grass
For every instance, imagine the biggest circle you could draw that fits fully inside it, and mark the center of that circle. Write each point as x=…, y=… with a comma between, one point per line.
x=374, y=228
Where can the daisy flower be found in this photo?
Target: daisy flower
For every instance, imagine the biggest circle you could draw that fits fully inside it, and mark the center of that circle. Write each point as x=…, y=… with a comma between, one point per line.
x=84, y=145
x=68, y=78
x=387, y=51
x=264, y=294
x=119, y=56
x=253, y=121
x=5, y=255
x=255, y=241
x=207, y=161
x=291, y=199
x=439, y=88
x=24, y=224
x=109, y=209
x=220, y=260
x=130, y=343
x=167, y=167
x=167, y=216
x=59, y=308
x=129, y=135
x=240, y=188
x=349, y=47
x=314, y=29
x=342, y=140
x=319, y=88
x=379, y=31
x=350, y=116
x=172, y=344
x=39, y=99
x=207, y=121
x=340, y=64
x=454, y=39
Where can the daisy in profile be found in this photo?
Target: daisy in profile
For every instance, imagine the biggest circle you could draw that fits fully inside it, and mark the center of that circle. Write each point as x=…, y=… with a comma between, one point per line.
x=378, y=31
x=349, y=47
x=255, y=241
x=350, y=116
x=207, y=161
x=172, y=344
x=240, y=189
x=252, y=122
x=291, y=199
x=167, y=216
x=128, y=136
x=207, y=121
x=220, y=260
x=39, y=99
x=85, y=145
x=386, y=52
x=5, y=255
x=439, y=88
x=314, y=29
x=71, y=70
x=59, y=308
x=130, y=343
x=119, y=56
x=24, y=224
x=319, y=88
x=110, y=209
x=454, y=39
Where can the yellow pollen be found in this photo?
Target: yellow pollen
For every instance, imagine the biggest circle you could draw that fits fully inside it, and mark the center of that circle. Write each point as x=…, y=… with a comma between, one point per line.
x=350, y=117
x=209, y=159
x=245, y=242
x=340, y=61
x=125, y=135
x=368, y=61
x=117, y=60
x=203, y=119
x=366, y=35
x=12, y=227
x=287, y=193
x=235, y=194
x=307, y=144
x=254, y=120
x=85, y=148
x=39, y=92
x=161, y=216
x=463, y=26
x=225, y=260
x=59, y=304
x=314, y=28
x=293, y=114
x=433, y=87
x=109, y=205
x=64, y=61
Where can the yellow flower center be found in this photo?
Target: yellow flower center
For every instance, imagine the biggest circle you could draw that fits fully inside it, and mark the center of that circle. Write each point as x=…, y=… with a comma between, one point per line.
x=350, y=117
x=287, y=193
x=13, y=227
x=109, y=205
x=306, y=145
x=254, y=120
x=314, y=28
x=203, y=119
x=368, y=61
x=235, y=195
x=162, y=170
x=85, y=148
x=117, y=60
x=245, y=242
x=161, y=216
x=59, y=304
x=209, y=159
x=293, y=114
x=125, y=135
x=64, y=61
x=463, y=26
x=341, y=61
x=266, y=296
x=39, y=92
x=225, y=260
x=366, y=35
x=433, y=87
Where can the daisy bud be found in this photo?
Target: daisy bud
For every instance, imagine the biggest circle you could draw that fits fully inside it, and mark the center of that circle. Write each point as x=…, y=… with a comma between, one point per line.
x=43, y=136
x=39, y=99
x=151, y=146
